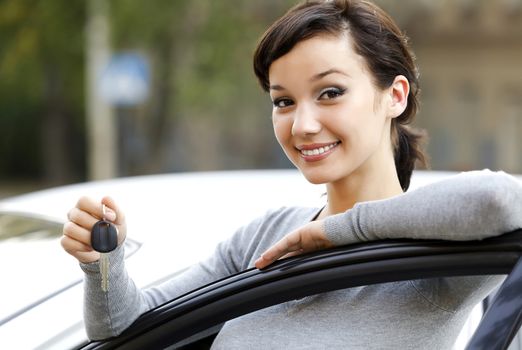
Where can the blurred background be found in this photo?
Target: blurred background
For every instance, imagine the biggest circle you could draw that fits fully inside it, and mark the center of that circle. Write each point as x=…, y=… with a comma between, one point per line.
x=109, y=88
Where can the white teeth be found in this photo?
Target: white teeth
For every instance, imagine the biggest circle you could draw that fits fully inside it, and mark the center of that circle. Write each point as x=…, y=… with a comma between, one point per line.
x=318, y=151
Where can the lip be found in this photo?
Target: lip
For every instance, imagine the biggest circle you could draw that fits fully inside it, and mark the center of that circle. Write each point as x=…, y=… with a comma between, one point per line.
x=317, y=157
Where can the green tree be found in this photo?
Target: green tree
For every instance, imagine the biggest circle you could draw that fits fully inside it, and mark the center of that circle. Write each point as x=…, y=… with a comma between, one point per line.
x=203, y=87
x=205, y=109
x=41, y=90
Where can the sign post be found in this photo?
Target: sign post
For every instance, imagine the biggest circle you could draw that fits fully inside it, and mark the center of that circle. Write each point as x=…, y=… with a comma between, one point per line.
x=124, y=84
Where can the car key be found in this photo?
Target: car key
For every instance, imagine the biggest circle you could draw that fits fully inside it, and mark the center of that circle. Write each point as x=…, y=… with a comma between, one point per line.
x=104, y=239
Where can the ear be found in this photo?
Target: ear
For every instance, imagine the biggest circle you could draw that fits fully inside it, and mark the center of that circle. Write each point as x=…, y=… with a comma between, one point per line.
x=398, y=96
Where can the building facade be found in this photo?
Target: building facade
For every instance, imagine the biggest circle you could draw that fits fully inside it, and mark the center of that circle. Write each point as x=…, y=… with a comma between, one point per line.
x=469, y=53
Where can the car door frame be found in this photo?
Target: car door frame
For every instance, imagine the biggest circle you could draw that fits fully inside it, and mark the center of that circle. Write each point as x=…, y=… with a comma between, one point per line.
x=343, y=267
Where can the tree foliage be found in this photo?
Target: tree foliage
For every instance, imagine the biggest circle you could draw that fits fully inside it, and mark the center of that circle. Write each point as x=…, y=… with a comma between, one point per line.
x=205, y=110
x=204, y=90
x=41, y=89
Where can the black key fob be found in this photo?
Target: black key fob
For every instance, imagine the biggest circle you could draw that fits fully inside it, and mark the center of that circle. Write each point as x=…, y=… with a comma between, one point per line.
x=104, y=237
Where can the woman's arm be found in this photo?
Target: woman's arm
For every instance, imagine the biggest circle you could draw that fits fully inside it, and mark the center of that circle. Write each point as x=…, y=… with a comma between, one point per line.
x=107, y=314
x=468, y=206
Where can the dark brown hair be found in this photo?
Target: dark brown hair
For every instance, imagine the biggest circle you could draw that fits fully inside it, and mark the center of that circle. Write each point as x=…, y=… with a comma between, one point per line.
x=376, y=38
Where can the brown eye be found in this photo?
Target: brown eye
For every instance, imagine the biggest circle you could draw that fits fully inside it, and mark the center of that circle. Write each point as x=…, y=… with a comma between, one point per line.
x=282, y=102
x=331, y=93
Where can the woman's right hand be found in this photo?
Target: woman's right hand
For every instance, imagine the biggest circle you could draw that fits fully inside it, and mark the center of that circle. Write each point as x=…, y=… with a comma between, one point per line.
x=76, y=239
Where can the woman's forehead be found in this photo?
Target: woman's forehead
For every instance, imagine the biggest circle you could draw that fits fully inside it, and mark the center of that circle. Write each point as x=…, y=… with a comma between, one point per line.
x=319, y=54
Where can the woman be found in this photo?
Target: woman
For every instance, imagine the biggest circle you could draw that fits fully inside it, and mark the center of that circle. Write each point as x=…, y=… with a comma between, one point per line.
x=344, y=87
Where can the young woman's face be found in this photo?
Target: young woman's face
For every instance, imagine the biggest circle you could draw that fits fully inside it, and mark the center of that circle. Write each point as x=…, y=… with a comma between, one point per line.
x=328, y=117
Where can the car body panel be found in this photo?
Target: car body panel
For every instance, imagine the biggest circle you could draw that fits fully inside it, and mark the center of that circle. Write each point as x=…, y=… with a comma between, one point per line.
x=153, y=205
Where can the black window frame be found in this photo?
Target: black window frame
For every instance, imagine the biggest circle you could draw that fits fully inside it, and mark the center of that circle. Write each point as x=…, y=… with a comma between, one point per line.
x=342, y=267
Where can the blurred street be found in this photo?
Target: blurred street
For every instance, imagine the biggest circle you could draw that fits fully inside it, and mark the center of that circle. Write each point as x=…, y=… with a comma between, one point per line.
x=8, y=189
x=111, y=88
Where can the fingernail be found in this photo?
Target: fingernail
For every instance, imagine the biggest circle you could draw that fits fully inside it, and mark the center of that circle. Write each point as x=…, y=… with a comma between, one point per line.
x=110, y=215
x=259, y=263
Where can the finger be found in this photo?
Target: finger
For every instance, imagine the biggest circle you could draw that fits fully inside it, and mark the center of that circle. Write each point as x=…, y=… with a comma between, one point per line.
x=77, y=233
x=90, y=206
x=82, y=218
x=113, y=212
x=289, y=243
x=72, y=245
x=261, y=263
x=294, y=253
x=79, y=250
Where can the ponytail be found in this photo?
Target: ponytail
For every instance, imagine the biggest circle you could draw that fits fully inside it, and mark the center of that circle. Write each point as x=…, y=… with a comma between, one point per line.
x=408, y=150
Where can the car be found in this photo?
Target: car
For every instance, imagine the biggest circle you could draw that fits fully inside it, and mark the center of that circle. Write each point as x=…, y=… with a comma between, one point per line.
x=192, y=320
x=44, y=284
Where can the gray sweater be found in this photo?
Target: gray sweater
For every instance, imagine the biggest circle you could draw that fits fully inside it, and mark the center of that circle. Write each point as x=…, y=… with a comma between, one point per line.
x=402, y=315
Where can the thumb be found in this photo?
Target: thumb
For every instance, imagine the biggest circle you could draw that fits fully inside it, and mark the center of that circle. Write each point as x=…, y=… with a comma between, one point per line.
x=113, y=212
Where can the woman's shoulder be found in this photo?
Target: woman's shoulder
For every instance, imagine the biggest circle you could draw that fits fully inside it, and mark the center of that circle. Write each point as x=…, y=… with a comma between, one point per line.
x=293, y=212
x=263, y=232
x=288, y=217
x=281, y=219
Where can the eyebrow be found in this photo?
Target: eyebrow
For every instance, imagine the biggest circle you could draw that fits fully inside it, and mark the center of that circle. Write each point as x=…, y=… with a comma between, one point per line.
x=316, y=77
x=321, y=75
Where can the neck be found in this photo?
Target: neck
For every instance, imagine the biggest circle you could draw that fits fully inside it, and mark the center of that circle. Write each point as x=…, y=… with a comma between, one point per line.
x=344, y=194
x=375, y=179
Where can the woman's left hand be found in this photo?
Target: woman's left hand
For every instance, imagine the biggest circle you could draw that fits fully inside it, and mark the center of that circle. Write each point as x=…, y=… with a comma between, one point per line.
x=305, y=239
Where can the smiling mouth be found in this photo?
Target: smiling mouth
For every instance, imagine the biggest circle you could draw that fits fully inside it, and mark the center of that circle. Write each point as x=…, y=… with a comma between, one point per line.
x=319, y=150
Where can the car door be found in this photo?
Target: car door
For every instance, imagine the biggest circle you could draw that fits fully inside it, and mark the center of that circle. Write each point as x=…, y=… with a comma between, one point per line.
x=190, y=321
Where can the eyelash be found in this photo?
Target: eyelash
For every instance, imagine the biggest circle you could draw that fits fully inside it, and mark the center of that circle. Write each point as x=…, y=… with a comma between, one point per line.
x=335, y=91
x=332, y=90
x=277, y=101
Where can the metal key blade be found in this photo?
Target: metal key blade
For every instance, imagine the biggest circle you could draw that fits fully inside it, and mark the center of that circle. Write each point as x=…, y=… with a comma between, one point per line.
x=104, y=271
x=104, y=239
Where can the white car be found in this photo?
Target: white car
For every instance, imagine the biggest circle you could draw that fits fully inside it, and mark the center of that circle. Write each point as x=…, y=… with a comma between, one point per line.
x=42, y=285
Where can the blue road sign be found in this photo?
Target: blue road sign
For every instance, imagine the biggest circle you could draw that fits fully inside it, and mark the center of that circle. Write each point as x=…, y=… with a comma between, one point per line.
x=125, y=81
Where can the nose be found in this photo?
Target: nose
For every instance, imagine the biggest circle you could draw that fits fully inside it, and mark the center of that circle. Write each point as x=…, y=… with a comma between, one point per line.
x=306, y=121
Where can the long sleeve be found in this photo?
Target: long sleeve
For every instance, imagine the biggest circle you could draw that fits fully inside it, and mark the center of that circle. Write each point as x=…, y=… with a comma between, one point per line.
x=108, y=314
x=468, y=206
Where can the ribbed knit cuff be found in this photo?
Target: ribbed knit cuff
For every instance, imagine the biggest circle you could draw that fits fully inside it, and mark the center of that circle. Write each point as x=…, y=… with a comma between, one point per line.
x=341, y=229
x=116, y=258
x=98, y=310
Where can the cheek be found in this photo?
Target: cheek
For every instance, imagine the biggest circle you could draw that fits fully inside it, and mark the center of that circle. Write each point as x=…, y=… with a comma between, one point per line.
x=358, y=126
x=282, y=129
x=343, y=123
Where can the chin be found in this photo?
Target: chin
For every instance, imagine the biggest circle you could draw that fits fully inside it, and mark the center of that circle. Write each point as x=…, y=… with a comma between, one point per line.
x=316, y=178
